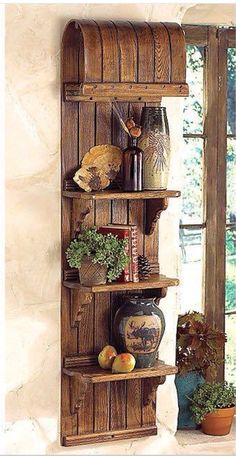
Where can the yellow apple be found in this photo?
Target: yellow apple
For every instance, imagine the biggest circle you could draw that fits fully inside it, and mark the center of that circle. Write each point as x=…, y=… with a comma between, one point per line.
x=107, y=356
x=123, y=363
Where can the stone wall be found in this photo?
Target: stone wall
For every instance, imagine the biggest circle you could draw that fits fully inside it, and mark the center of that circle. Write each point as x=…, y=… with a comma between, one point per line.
x=33, y=35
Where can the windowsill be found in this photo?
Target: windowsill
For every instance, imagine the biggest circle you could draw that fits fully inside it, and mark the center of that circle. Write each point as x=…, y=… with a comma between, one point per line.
x=195, y=442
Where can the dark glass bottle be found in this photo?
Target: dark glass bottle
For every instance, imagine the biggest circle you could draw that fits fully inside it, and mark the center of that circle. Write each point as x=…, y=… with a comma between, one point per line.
x=132, y=167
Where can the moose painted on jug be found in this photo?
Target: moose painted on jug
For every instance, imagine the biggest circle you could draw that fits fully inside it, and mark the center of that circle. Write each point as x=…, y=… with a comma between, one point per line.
x=142, y=335
x=138, y=328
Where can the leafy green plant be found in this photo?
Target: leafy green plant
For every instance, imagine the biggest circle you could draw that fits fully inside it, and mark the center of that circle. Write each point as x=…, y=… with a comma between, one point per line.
x=199, y=346
x=105, y=249
x=211, y=396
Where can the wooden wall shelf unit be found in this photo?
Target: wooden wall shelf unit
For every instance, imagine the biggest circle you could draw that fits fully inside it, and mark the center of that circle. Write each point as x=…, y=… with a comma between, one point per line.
x=135, y=64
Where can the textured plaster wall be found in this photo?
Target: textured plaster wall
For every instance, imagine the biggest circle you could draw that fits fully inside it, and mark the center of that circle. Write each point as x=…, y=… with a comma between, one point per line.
x=33, y=35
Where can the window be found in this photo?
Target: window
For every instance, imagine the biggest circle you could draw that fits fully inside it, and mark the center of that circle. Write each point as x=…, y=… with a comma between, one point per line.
x=192, y=223
x=208, y=215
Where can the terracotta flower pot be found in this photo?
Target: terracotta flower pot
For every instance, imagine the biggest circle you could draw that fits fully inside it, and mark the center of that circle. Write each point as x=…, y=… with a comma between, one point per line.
x=218, y=422
x=92, y=274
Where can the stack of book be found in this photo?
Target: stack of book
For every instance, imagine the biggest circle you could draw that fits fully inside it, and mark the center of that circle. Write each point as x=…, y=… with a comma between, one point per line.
x=130, y=273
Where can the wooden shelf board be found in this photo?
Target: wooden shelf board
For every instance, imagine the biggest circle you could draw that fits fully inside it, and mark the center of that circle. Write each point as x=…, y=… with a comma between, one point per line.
x=155, y=281
x=94, y=374
x=114, y=194
x=119, y=434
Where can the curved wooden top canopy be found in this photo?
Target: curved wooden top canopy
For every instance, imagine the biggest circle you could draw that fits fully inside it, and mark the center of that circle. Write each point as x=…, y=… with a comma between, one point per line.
x=103, y=50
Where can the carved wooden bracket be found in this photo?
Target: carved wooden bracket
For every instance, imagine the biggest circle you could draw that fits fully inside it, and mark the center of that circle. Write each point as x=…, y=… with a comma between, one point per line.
x=79, y=301
x=78, y=391
x=157, y=293
x=82, y=209
x=154, y=208
x=153, y=384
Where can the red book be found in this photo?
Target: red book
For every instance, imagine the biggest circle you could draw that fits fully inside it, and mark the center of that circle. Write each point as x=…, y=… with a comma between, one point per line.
x=122, y=232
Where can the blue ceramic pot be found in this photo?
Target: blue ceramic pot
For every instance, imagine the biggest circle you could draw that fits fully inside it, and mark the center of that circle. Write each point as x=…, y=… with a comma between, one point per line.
x=186, y=385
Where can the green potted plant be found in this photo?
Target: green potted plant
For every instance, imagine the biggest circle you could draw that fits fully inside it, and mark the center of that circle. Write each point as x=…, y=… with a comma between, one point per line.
x=99, y=257
x=213, y=406
x=199, y=348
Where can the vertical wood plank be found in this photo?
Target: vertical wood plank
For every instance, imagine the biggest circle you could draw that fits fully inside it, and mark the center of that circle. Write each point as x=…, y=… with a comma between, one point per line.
x=162, y=65
x=145, y=52
x=102, y=300
x=151, y=73
x=87, y=118
x=118, y=405
x=178, y=52
x=110, y=51
x=148, y=403
x=128, y=51
x=127, y=72
x=92, y=53
x=134, y=403
x=69, y=155
x=87, y=139
x=119, y=215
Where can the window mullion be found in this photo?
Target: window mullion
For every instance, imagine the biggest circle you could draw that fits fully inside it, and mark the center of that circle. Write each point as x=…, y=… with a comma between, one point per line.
x=221, y=183
x=211, y=193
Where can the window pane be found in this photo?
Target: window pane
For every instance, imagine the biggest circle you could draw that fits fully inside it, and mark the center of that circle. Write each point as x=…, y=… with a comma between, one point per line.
x=231, y=180
x=230, y=284
x=191, y=241
x=191, y=190
x=231, y=91
x=193, y=105
x=230, y=349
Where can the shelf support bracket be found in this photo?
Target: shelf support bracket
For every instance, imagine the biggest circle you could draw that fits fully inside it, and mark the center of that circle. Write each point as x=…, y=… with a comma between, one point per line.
x=152, y=385
x=79, y=389
x=157, y=293
x=82, y=209
x=78, y=304
x=154, y=208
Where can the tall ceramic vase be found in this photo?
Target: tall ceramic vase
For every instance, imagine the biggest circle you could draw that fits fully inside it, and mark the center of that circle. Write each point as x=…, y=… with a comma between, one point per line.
x=155, y=143
x=138, y=329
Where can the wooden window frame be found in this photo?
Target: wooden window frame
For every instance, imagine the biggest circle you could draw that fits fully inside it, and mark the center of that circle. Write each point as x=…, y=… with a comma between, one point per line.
x=216, y=41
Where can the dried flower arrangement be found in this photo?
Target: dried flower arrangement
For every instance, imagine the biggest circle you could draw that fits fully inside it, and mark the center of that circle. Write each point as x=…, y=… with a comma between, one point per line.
x=129, y=126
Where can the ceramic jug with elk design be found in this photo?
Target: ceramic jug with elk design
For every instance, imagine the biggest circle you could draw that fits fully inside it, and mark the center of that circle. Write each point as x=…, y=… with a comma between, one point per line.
x=138, y=328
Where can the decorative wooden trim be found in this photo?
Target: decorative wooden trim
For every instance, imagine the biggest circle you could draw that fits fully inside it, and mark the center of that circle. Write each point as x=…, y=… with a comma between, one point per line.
x=80, y=360
x=154, y=209
x=154, y=383
x=123, y=91
x=79, y=396
x=78, y=304
x=120, y=434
